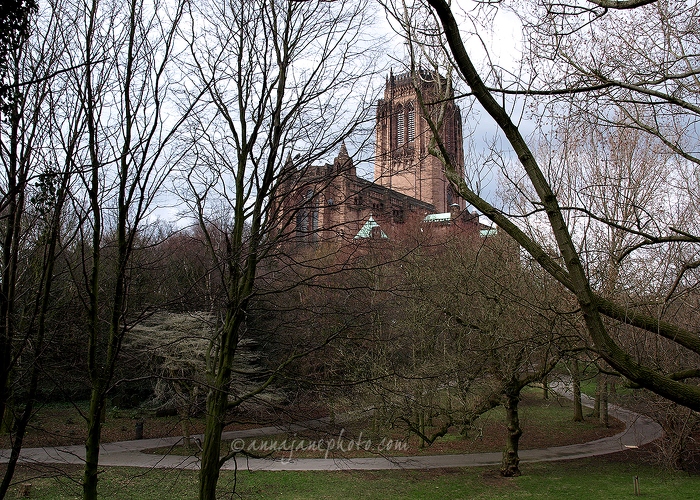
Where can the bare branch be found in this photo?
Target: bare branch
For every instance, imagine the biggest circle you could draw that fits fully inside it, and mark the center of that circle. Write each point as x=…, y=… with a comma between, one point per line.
x=621, y=4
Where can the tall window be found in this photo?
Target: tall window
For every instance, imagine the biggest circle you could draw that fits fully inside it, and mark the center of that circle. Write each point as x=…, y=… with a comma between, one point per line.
x=307, y=217
x=400, y=127
x=411, y=115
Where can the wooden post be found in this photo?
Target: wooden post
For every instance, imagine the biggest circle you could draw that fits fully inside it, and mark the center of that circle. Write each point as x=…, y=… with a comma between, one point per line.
x=138, y=430
x=636, y=486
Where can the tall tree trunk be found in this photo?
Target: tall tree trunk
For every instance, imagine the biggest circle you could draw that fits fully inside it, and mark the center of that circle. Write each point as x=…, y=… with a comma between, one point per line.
x=604, y=401
x=15, y=184
x=573, y=276
x=16, y=171
x=42, y=306
x=545, y=388
x=509, y=464
x=92, y=444
x=22, y=423
x=576, y=389
x=598, y=393
x=211, y=451
x=217, y=405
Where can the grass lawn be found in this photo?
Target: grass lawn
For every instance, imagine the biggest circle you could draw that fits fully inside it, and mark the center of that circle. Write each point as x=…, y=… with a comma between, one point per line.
x=61, y=424
x=616, y=388
x=546, y=423
x=487, y=436
x=599, y=478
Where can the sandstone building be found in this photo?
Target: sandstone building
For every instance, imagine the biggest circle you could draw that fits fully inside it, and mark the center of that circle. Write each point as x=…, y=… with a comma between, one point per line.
x=403, y=162
x=330, y=201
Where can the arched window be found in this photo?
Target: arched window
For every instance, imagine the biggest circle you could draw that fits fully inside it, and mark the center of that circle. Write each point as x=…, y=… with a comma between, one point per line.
x=307, y=217
x=400, y=136
x=411, y=122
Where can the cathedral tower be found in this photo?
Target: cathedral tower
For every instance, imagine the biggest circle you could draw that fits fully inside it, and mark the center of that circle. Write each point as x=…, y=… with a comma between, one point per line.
x=402, y=161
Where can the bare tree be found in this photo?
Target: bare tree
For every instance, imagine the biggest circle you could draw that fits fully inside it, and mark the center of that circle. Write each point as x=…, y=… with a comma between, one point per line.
x=467, y=329
x=126, y=79
x=15, y=27
x=567, y=266
x=36, y=176
x=279, y=77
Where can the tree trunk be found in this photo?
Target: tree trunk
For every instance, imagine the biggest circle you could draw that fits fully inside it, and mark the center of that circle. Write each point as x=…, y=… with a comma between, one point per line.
x=186, y=433
x=604, y=401
x=545, y=388
x=17, y=442
x=8, y=419
x=573, y=276
x=211, y=450
x=217, y=406
x=509, y=465
x=42, y=307
x=92, y=444
x=421, y=426
x=598, y=393
x=209, y=473
x=23, y=421
x=576, y=389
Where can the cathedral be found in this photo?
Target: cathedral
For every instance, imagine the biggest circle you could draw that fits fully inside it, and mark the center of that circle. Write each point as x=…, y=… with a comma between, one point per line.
x=403, y=162
x=330, y=202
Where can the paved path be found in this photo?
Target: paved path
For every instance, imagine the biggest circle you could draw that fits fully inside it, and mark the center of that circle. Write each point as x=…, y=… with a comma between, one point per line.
x=639, y=430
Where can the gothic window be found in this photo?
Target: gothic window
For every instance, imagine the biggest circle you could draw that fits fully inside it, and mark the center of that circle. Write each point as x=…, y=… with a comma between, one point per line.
x=302, y=222
x=400, y=127
x=411, y=119
x=314, y=217
x=307, y=217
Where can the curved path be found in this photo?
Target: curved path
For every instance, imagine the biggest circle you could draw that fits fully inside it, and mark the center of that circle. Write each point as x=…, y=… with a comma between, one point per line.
x=639, y=430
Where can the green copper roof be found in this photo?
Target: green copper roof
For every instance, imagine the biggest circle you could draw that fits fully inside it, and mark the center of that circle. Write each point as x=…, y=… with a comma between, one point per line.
x=366, y=231
x=446, y=217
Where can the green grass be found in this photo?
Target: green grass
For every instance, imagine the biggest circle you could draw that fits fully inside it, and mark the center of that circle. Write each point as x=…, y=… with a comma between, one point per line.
x=595, y=478
x=588, y=387
x=487, y=436
x=590, y=478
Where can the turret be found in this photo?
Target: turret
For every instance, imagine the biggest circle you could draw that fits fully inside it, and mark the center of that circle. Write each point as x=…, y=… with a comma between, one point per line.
x=343, y=164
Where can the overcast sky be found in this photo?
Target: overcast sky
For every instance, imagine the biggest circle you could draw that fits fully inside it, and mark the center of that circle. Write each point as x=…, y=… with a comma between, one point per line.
x=501, y=37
